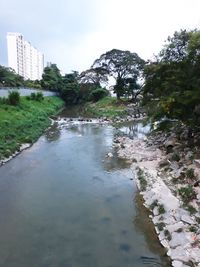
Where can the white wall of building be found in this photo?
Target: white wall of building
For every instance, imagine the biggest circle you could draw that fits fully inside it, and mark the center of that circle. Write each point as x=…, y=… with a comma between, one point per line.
x=25, y=59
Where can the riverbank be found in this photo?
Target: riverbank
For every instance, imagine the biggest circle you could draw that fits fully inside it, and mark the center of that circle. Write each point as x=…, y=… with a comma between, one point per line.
x=114, y=109
x=174, y=205
x=22, y=125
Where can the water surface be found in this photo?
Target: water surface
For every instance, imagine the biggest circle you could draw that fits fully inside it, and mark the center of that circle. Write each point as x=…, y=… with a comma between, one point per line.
x=64, y=203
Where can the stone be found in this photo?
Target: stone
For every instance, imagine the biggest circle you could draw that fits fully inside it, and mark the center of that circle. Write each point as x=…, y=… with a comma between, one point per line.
x=110, y=155
x=195, y=254
x=178, y=239
x=197, y=162
x=178, y=254
x=187, y=219
x=177, y=264
x=174, y=227
x=163, y=163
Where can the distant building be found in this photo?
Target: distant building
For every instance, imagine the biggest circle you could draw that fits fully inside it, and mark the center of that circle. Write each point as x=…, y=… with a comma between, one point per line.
x=25, y=59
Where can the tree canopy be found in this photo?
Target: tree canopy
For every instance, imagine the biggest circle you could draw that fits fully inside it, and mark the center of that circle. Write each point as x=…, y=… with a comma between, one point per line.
x=172, y=81
x=120, y=65
x=51, y=78
x=8, y=77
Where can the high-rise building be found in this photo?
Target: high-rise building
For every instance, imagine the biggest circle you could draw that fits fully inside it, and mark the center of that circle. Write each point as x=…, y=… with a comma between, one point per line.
x=25, y=59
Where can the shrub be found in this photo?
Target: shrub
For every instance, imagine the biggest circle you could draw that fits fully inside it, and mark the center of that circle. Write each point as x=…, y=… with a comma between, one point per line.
x=167, y=234
x=161, y=209
x=98, y=94
x=190, y=174
x=33, y=96
x=13, y=98
x=3, y=100
x=187, y=193
x=39, y=96
x=161, y=226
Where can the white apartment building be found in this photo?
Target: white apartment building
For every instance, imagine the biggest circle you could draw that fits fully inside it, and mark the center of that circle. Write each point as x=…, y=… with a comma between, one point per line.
x=25, y=59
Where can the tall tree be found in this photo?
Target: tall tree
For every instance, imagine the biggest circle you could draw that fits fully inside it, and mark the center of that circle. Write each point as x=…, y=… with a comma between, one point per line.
x=70, y=89
x=51, y=78
x=95, y=76
x=172, y=83
x=120, y=65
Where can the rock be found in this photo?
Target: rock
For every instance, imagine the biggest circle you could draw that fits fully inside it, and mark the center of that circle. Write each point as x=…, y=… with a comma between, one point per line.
x=163, y=163
x=174, y=227
x=187, y=219
x=169, y=144
x=178, y=254
x=110, y=155
x=177, y=264
x=197, y=162
x=178, y=239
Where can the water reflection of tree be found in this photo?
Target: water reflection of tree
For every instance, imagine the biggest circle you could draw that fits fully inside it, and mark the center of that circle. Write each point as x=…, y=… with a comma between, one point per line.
x=144, y=224
x=134, y=130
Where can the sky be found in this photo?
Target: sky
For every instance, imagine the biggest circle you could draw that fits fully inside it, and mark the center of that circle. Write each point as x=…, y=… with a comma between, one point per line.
x=73, y=33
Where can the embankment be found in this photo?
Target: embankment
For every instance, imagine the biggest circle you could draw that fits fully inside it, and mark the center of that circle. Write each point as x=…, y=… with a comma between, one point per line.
x=24, y=123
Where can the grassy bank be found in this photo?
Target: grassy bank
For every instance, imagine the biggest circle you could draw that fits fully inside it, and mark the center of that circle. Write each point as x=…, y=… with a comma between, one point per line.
x=107, y=107
x=25, y=122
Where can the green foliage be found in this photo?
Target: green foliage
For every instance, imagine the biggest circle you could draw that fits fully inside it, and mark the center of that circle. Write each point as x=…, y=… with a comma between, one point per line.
x=98, y=94
x=107, y=107
x=142, y=180
x=51, y=78
x=190, y=174
x=191, y=209
x=172, y=81
x=36, y=96
x=187, y=193
x=120, y=65
x=161, y=209
x=25, y=122
x=33, y=84
x=167, y=235
x=13, y=98
x=70, y=90
x=161, y=226
x=8, y=78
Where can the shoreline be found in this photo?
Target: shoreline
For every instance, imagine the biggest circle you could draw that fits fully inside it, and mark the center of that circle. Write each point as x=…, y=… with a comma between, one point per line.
x=177, y=230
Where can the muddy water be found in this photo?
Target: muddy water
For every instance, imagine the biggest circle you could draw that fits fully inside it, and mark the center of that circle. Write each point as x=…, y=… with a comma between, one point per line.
x=64, y=203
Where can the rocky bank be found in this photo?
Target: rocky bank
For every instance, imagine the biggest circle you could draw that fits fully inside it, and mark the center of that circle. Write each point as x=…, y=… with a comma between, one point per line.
x=169, y=183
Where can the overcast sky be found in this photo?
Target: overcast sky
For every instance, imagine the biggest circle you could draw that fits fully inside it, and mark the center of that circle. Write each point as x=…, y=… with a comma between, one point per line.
x=73, y=33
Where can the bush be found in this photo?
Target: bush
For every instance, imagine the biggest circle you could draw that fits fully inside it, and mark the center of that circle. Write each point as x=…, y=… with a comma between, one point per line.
x=13, y=98
x=3, y=100
x=39, y=96
x=36, y=96
x=187, y=193
x=98, y=94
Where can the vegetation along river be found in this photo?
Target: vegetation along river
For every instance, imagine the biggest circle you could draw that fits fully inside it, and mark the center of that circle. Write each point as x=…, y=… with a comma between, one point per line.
x=64, y=203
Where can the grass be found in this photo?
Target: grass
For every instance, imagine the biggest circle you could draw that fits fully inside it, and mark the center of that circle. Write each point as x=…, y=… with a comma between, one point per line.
x=25, y=122
x=142, y=180
x=107, y=107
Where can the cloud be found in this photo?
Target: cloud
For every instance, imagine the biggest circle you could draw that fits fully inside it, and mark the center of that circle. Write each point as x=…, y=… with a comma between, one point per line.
x=73, y=33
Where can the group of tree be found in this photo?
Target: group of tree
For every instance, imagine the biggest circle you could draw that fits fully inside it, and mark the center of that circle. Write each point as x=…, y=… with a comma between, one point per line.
x=123, y=67
x=169, y=84
x=172, y=80
x=8, y=78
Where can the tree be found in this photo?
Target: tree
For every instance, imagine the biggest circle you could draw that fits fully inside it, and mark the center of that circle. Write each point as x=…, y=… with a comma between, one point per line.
x=8, y=77
x=95, y=76
x=172, y=83
x=70, y=89
x=51, y=78
x=120, y=65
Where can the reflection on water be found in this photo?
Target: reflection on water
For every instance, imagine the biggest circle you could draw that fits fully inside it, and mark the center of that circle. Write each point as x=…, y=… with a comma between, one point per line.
x=64, y=203
x=133, y=129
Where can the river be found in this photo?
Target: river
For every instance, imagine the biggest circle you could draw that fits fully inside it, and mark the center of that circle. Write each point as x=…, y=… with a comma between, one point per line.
x=64, y=203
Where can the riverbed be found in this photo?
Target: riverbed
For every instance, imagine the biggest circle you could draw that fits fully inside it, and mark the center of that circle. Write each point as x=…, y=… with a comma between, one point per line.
x=65, y=203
